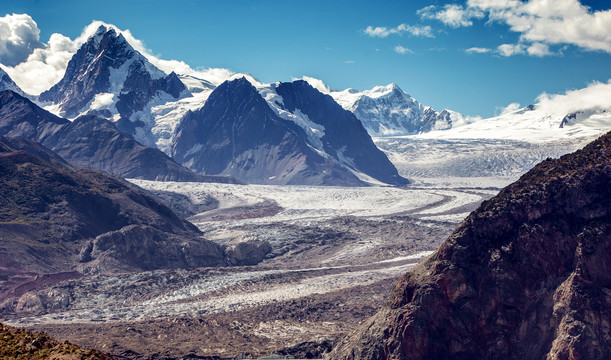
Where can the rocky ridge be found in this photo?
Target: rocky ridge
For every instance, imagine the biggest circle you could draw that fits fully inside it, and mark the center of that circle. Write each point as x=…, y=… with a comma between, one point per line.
x=107, y=77
x=525, y=276
x=91, y=141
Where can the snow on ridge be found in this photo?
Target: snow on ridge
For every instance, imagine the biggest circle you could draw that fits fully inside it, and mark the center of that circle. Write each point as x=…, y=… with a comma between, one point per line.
x=314, y=131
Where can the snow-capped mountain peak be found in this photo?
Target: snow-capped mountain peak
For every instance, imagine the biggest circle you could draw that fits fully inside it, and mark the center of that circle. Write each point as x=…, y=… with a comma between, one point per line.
x=109, y=78
x=385, y=90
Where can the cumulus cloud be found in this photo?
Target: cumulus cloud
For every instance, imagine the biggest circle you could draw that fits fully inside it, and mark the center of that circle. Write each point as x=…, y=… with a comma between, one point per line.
x=451, y=14
x=402, y=50
x=19, y=36
x=543, y=22
x=510, y=49
x=538, y=49
x=413, y=30
x=594, y=97
x=45, y=64
x=539, y=23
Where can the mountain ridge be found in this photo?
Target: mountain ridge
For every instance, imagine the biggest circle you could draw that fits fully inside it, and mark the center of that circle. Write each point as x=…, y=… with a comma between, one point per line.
x=242, y=136
x=90, y=141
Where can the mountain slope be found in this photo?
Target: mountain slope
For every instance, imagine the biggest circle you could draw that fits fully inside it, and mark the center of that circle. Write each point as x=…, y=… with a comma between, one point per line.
x=53, y=219
x=388, y=110
x=90, y=141
x=344, y=137
x=525, y=276
x=109, y=78
x=19, y=117
x=95, y=142
x=237, y=133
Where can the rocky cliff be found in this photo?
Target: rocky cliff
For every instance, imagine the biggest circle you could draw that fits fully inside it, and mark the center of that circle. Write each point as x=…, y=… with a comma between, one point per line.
x=525, y=276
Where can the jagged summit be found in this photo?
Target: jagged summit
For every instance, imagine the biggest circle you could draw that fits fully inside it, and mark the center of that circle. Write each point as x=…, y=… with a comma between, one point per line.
x=109, y=78
x=388, y=110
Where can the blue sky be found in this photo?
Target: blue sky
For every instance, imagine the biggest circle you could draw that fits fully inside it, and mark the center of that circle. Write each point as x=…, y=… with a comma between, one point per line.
x=474, y=56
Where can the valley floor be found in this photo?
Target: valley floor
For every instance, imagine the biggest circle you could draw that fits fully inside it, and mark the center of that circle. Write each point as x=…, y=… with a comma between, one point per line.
x=336, y=254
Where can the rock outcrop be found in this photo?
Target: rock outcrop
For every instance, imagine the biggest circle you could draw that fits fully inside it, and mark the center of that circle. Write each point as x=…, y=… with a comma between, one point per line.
x=525, y=276
x=17, y=343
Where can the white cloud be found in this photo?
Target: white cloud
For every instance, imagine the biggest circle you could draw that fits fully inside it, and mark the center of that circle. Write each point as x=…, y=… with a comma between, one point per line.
x=478, y=50
x=382, y=32
x=402, y=50
x=510, y=49
x=316, y=84
x=538, y=49
x=451, y=14
x=45, y=65
x=378, y=31
x=542, y=23
x=349, y=62
x=19, y=36
x=597, y=96
x=510, y=108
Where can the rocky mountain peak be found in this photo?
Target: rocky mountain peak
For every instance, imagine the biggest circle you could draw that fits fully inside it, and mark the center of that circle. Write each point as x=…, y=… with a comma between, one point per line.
x=109, y=78
x=236, y=132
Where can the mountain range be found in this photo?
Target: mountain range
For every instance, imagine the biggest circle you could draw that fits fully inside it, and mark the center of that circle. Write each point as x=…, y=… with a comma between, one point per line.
x=90, y=141
x=298, y=132
x=388, y=110
x=111, y=93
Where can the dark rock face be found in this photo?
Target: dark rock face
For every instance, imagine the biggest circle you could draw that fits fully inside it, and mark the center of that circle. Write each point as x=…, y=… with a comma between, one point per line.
x=90, y=141
x=95, y=142
x=345, y=138
x=248, y=253
x=19, y=117
x=53, y=219
x=525, y=276
x=237, y=133
x=107, y=63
